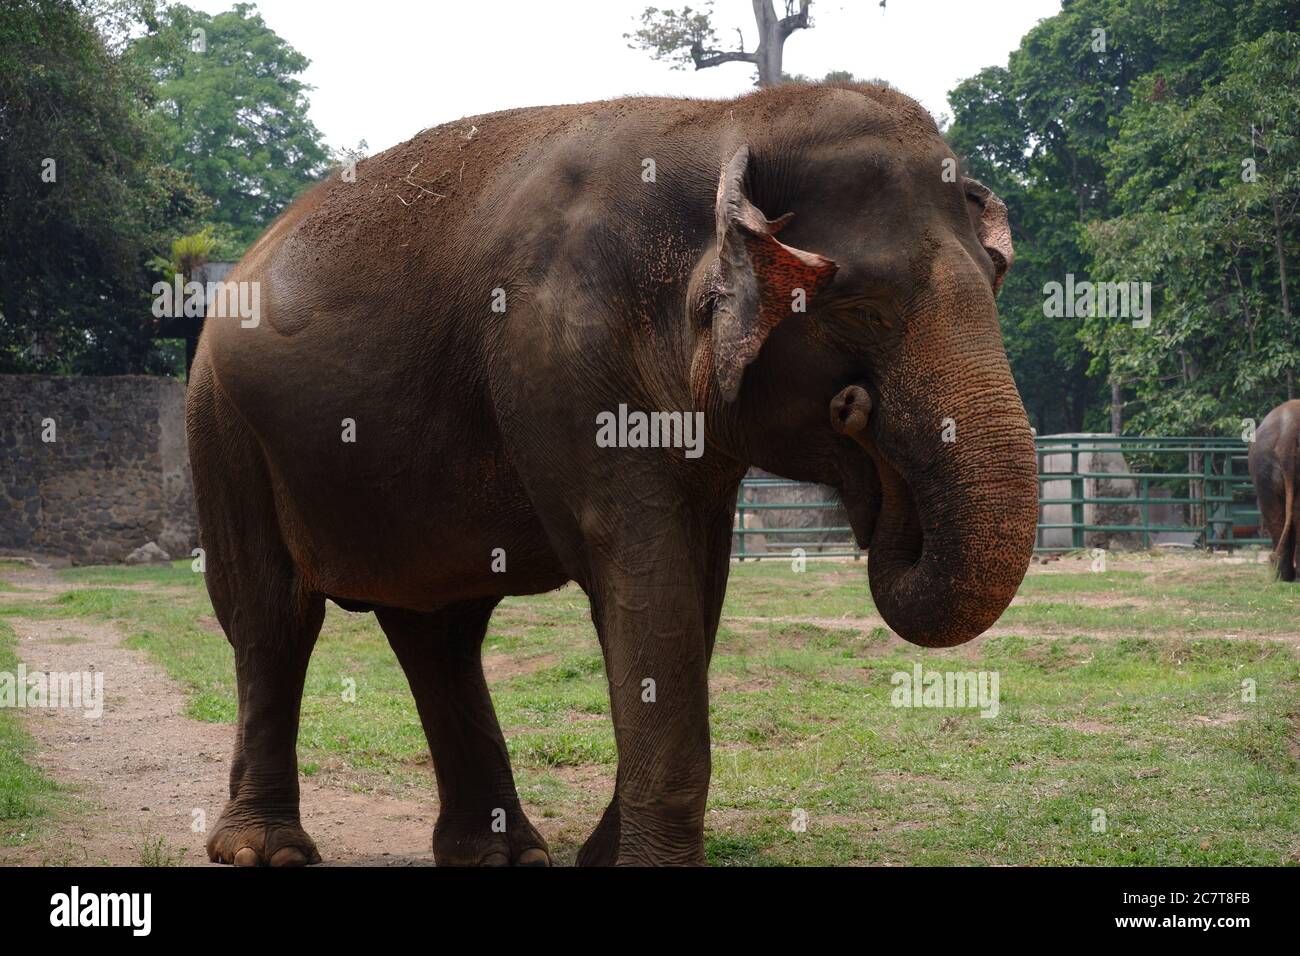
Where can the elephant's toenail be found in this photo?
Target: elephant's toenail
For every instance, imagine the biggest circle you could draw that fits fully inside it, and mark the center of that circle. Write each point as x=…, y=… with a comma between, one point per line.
x=534, y=856
x=288, y=856
x=495, y=859
x=246, y=857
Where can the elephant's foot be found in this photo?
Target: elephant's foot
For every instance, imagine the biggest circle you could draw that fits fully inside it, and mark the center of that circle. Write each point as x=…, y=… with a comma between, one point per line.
x=478, y=839
x=601, y=848
x=610, y=844
x=246, y=838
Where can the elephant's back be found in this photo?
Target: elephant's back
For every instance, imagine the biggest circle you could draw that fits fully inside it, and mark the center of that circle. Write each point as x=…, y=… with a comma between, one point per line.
x=413, y=201
x=404, y=257
x=1279, y=425
x=428, y=201
x=1275, y=451
x=362, y=271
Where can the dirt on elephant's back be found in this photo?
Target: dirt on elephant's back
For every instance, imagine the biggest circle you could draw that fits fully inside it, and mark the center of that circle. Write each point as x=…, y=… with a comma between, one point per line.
x=425, y=185
x=144, y=778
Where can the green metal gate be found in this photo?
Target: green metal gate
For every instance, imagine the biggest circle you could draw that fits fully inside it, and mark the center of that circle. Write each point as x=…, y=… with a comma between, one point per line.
x=1194, y=488
x=1202, y=481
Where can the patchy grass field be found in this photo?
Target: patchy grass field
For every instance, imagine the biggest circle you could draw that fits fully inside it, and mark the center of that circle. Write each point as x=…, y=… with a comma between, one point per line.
x=1121, y=694
x=26, y=796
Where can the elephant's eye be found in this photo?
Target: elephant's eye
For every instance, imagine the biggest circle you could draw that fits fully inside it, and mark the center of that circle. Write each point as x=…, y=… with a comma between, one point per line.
x=706, y=302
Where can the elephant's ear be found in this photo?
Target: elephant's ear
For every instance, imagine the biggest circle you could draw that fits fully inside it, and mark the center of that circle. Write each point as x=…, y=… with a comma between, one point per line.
x=758, y=276
x=993, y=228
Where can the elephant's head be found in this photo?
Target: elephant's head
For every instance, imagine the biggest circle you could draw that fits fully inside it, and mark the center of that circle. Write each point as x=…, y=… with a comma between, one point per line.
x=891, y=384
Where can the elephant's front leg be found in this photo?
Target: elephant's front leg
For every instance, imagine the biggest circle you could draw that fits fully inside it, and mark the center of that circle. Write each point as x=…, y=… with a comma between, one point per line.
x=654, y=635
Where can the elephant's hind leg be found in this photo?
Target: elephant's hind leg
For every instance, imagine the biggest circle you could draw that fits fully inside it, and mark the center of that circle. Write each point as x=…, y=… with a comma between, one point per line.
x=271, y=620
x=272, y=636
x=480, y=821
x=1288, y=547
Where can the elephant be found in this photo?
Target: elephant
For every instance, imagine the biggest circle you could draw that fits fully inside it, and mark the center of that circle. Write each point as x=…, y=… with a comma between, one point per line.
x=543, y=346
x=1274, y=463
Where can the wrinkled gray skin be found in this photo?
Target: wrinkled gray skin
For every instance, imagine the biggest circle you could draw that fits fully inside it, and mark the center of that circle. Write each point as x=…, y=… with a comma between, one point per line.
x=475, y=430
x=1274, y=462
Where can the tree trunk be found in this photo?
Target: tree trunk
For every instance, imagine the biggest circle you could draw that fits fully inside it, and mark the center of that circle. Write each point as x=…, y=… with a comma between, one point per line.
x=1281, y=275
x=770, y=43
x=1116, y=406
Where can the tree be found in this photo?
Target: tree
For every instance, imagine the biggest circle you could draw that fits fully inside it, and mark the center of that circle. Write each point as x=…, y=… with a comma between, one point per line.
x=832, y=76
x=231, y=112
x=84, y=200
x=1208, y=190
x=1039, y=132
x=1015, y=152
x=689, y=37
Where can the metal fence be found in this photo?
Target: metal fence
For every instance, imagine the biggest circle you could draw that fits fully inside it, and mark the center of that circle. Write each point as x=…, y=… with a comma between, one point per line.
x=833, y=539
x=1094, y=491
x=1193, y=491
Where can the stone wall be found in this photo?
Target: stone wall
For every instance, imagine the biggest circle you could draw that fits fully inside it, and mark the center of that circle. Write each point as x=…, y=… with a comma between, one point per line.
x=115, y=477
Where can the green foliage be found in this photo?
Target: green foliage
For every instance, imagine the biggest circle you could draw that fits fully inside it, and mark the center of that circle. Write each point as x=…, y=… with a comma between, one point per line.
x=76, y=236
x=187, y=254
x=230, y=112
x=1042, y=131
x=668, y=35
x=832, y=76
x=113, y=145
x=154, y=850
x=1207, y=187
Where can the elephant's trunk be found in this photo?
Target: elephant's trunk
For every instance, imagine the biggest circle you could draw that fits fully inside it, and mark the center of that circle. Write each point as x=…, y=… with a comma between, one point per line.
x=958, y=475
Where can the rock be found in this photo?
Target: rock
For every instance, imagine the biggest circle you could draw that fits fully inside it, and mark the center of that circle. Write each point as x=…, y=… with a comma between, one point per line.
x=175, y=541
x=148, y=554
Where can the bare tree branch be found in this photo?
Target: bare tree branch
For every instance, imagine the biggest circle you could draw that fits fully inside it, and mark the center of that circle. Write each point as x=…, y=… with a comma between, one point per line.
x=686, y=36
x=795, y=21
x=706, y=58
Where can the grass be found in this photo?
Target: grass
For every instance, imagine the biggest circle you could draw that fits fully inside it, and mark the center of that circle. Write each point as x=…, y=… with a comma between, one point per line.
x=27, y=797
x=156, y=851
x=1123, y=697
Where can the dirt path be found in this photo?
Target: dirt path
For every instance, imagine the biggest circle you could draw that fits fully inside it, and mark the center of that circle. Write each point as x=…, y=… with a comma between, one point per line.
x=141, y=770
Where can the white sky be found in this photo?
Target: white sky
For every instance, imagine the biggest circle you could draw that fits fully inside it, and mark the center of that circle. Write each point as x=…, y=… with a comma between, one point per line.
x=385, y=69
